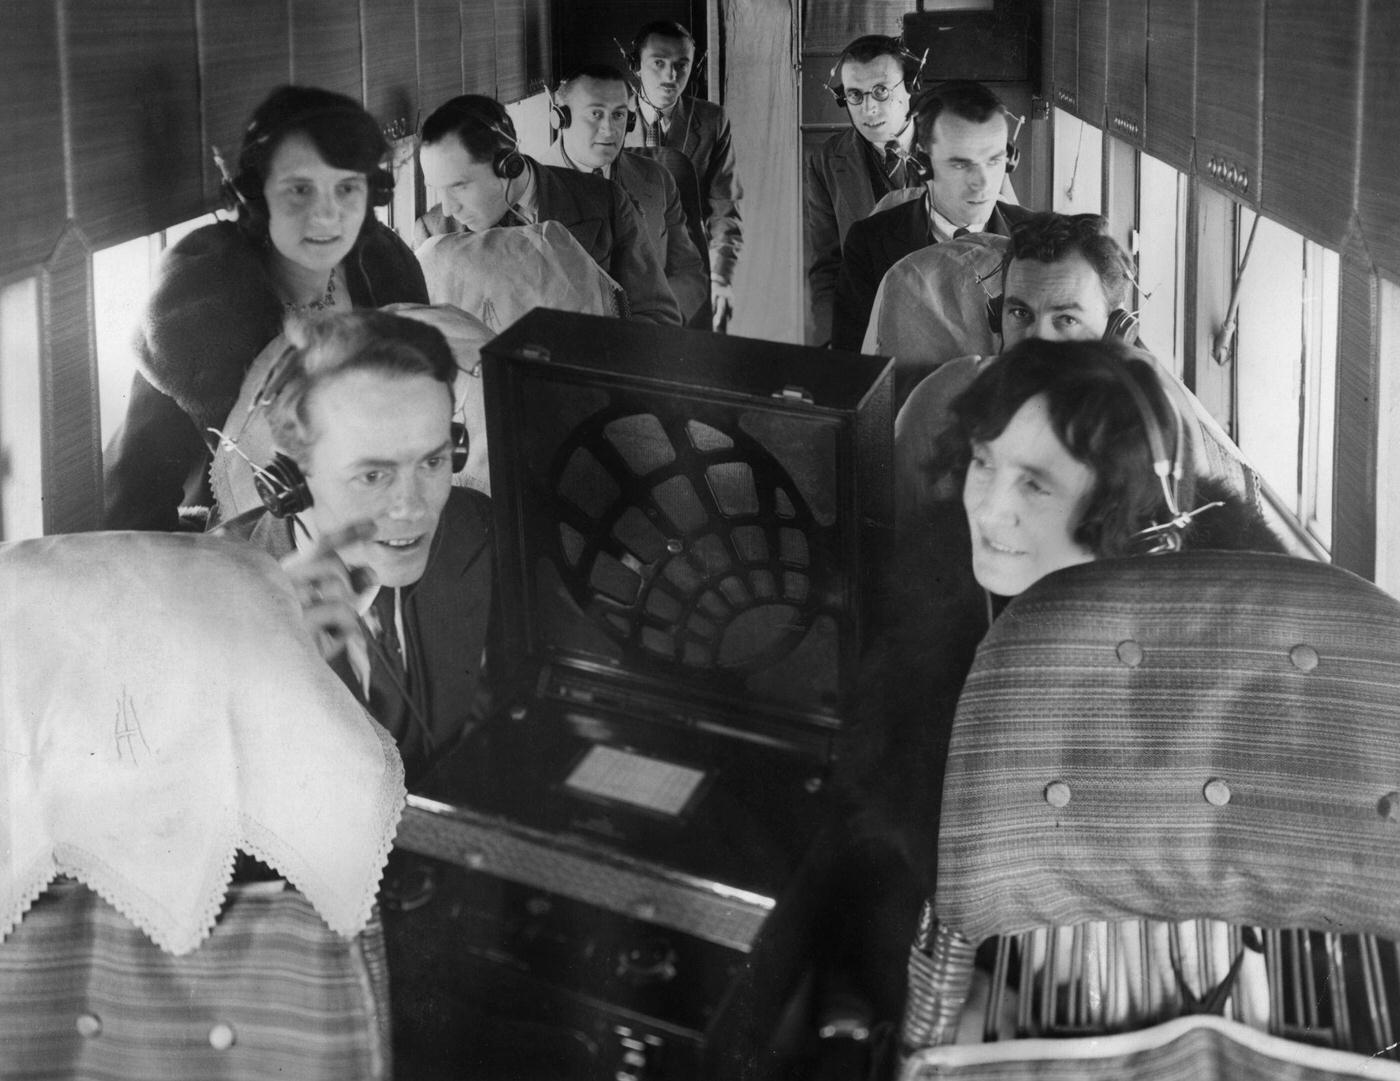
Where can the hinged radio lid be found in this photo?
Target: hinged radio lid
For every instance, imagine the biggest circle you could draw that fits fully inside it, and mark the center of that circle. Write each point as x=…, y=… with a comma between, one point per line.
x=689, y=515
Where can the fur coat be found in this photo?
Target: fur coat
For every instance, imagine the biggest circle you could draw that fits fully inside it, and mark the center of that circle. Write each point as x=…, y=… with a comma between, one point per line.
x=213, y=310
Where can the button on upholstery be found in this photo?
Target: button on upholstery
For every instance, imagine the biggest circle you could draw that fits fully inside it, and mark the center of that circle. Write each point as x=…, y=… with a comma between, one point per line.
x=1217, y=792
x=89, y=1025
x=1130, y=653
x=1057, y=793
x=1304, y=657
x=221, y=1037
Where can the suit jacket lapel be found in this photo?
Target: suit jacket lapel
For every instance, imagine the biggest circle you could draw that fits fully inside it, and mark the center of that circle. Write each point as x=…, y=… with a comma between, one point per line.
x=683, y=135
x=557, y=202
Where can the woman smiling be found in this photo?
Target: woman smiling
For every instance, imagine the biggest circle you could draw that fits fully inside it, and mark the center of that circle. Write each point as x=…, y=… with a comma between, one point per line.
x=312, y=165
x=1075, y=451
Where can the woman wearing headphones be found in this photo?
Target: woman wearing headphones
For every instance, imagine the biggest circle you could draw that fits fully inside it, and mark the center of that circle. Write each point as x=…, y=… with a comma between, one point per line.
x=312, y=165
x=1063, y=453
x=1069, y=453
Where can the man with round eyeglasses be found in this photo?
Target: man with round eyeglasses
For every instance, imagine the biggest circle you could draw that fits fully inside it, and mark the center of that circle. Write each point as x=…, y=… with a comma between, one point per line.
x=849, y=173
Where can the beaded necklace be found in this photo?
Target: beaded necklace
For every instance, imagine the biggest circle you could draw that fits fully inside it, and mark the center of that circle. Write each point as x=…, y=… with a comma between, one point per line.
x=321, y=304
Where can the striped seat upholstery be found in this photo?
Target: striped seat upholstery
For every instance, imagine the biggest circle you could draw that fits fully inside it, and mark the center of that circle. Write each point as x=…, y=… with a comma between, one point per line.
x=1203, y=736
x=272, y=993
x=1187, y=1049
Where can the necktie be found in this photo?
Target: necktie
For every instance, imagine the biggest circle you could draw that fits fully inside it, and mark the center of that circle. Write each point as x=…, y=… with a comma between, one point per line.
x=893, y=160
x=389, y=635
x=651, y=133
x=597, y=172
x=961, y=230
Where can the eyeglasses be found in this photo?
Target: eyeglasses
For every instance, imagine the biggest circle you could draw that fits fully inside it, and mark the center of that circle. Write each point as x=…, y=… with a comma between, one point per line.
x=856, y=98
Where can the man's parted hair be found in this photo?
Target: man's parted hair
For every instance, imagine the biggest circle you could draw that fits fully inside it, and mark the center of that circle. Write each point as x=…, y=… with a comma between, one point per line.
x=323, y=347
x=1048, y=237
x=871, y=47
x=603, y=73
x=658, y=28
x=963, y=98
x=481, y=124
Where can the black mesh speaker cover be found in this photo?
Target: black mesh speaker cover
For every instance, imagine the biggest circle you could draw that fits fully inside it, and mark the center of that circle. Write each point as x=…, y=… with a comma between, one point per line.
x=686, y=535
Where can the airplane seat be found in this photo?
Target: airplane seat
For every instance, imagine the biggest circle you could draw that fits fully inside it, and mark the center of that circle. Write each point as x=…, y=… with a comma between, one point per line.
x=1170, y=817
x=198, y=813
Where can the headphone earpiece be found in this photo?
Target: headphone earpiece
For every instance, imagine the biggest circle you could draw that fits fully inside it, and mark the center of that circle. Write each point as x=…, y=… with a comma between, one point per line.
x=506, y=161
x=1122, y=326
x=994, y=313
x=461, y=446
x=1013, y=158
x=1169, y=468
x=282, y=487
x=562, y=116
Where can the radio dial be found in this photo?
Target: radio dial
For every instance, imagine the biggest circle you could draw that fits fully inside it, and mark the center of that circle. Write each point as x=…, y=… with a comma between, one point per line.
x=650, y=962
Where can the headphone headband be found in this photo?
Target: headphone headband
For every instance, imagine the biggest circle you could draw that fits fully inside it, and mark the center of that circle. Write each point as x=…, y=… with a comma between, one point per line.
x=563, y=115
x=1170, y=469
x=245, y=188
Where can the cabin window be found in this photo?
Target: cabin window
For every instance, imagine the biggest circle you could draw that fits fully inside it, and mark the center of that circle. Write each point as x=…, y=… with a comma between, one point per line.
x=1078, y=174
x=401, y=212
x=122, y=278
x=1160, y=247
x=21, y=441
x=1286, y=367
x=1388, y=450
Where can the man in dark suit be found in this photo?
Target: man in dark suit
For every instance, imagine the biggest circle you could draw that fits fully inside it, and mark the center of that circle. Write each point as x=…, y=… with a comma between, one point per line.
x=591, y=113
x=361, y=407
x=961, y=127
x=851, y=171
x=663, y=57
x=470, y=159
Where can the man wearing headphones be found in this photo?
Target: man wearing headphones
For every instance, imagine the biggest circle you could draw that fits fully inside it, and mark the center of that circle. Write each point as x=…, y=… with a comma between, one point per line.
x=360, y=408
x=961, y=128
x=1063, y=279
x=662, y=57
x=469, y=156
x=852, y=170
x=592, y=113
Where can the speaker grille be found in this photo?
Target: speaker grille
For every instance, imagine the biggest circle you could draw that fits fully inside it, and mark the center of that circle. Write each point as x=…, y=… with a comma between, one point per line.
x=686, y=541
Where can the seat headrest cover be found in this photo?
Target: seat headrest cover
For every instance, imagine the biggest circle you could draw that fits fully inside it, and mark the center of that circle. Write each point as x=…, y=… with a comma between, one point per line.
x=161, y=706
x=1212, y=734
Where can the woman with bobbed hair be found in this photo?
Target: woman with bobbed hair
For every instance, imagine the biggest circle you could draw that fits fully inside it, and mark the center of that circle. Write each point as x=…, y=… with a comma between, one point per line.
x=1064, y=453
x=312, y=166
x=1073, y=451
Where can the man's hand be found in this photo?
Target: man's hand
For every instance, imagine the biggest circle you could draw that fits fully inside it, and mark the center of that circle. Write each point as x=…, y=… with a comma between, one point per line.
x=327, y=588
x=722, y=305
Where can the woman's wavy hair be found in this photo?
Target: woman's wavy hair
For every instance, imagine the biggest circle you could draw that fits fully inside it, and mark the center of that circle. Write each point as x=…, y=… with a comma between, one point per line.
x=344, y=134
x=323, y=347
x=1088, y=387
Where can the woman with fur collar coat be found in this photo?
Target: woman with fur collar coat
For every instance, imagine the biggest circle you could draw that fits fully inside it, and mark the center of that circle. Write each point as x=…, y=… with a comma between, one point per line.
x=312, y=166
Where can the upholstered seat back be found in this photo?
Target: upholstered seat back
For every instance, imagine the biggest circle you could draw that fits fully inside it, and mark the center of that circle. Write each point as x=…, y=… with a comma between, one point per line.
x=1205, y=734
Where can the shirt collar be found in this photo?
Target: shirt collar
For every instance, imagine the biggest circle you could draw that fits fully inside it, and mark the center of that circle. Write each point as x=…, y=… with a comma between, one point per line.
x=527, y=204
x=650, y=113
x=941, y=226
x=564, y=153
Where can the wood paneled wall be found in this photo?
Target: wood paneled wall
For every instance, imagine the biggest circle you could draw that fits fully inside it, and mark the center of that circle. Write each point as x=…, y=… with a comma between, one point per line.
x=108, y=112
